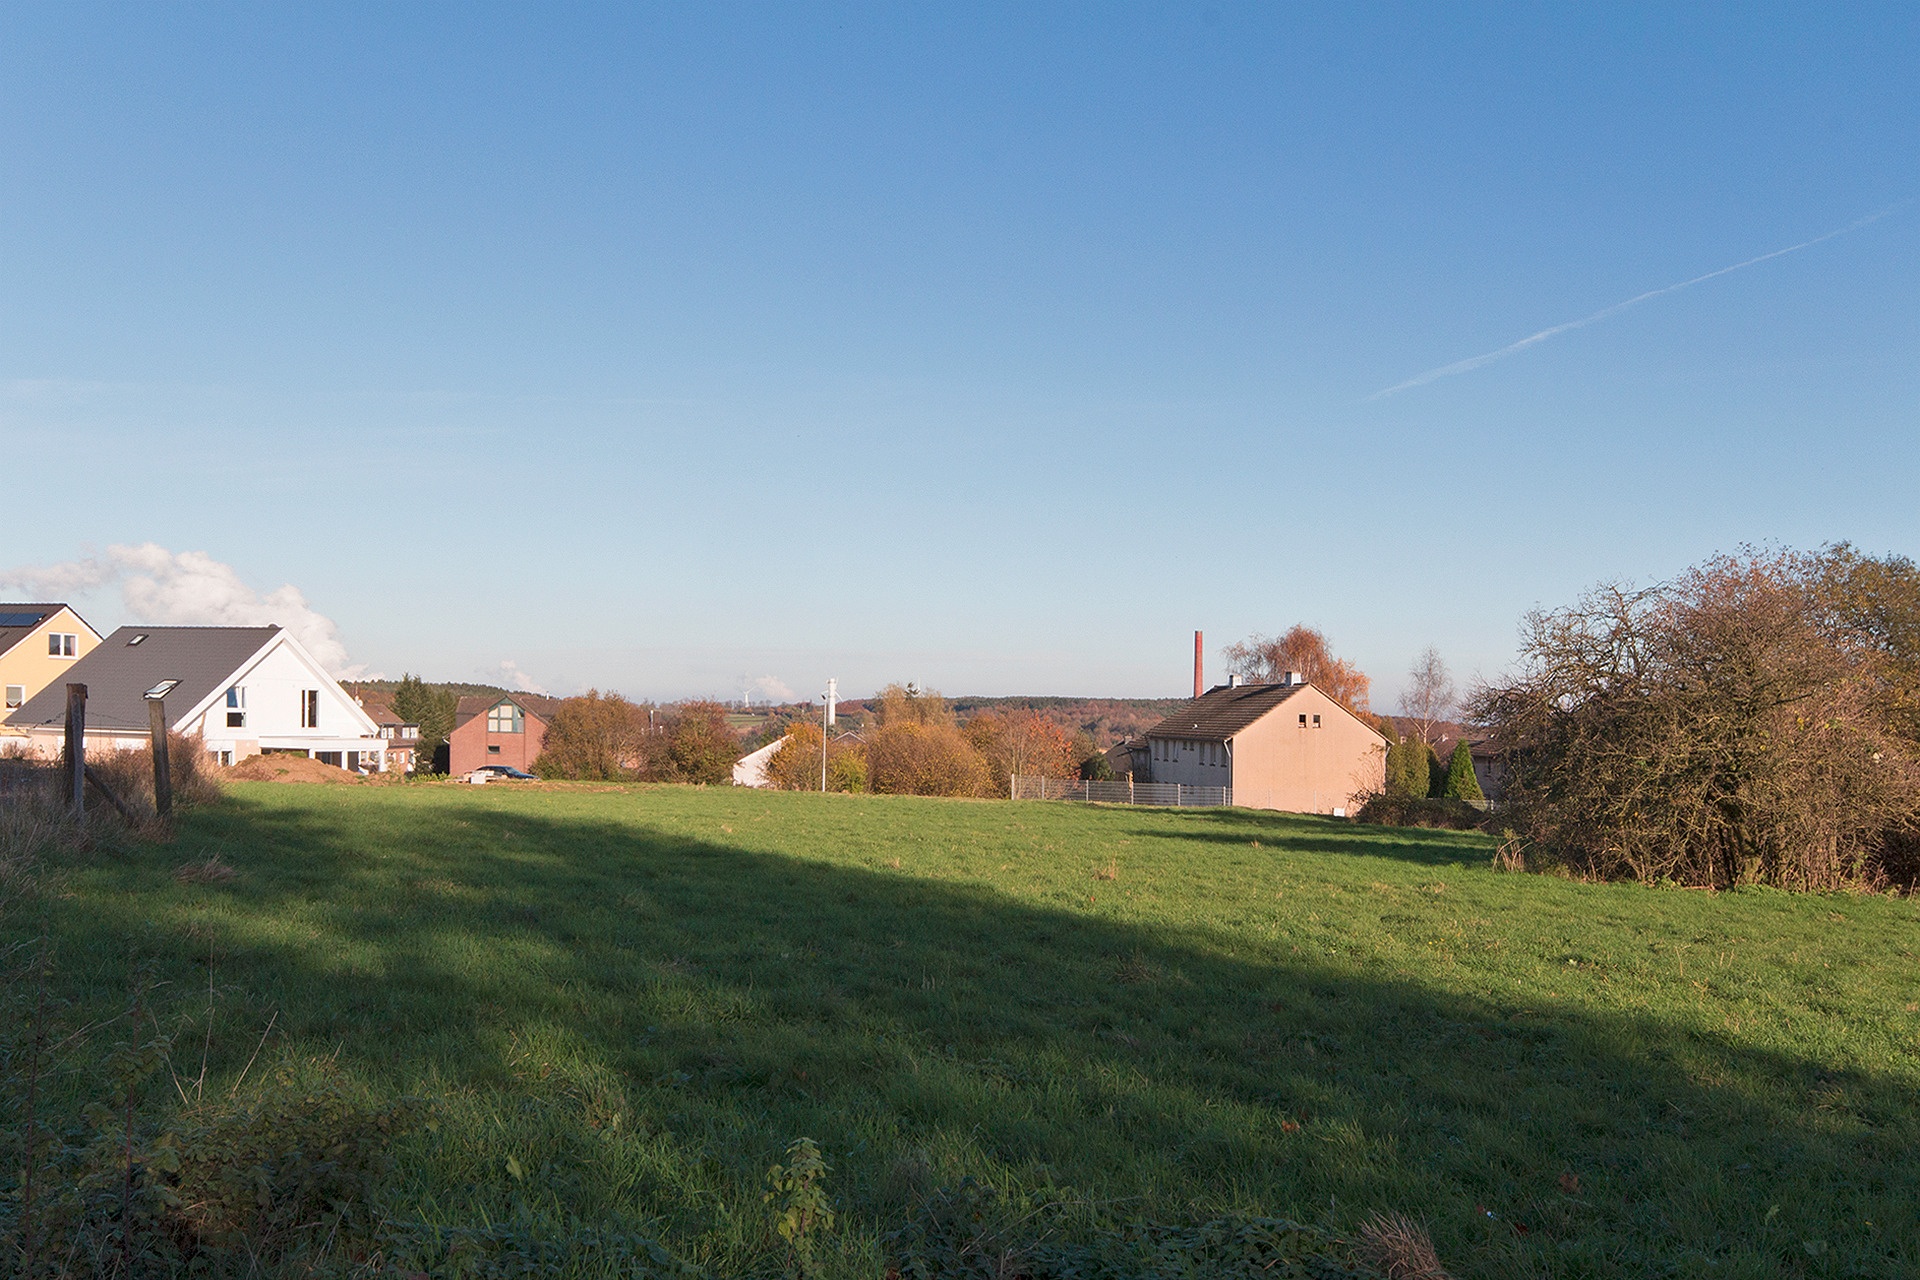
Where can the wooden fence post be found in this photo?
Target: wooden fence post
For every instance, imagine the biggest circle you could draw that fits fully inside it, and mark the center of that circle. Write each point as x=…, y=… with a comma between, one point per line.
x=162, y=774
x=76, y=771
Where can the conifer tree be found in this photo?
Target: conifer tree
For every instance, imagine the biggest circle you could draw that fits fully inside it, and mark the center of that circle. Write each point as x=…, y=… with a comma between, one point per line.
x=1461, y=783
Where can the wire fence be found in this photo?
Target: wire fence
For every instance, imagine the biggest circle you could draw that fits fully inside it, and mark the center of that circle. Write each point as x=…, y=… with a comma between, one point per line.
x=1173, y=794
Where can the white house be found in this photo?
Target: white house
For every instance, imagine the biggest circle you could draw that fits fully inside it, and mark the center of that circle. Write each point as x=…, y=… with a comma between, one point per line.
x=243, y=690
x=750, y=770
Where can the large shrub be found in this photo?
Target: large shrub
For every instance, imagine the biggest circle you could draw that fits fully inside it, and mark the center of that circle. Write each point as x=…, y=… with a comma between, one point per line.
x=1735, y=725
x=925, y=760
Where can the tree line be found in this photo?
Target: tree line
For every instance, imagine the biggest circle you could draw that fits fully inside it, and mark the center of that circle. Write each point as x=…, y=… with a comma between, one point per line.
x=913, y=743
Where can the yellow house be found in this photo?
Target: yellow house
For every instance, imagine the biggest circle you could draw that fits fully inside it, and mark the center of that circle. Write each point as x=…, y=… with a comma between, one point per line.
x=39, y=643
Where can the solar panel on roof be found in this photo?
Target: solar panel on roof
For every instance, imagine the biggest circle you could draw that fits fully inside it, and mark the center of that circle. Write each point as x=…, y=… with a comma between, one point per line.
x=20, y=619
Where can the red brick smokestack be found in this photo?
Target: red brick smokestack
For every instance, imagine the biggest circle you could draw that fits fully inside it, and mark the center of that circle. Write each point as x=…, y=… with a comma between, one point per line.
x=1199, y=686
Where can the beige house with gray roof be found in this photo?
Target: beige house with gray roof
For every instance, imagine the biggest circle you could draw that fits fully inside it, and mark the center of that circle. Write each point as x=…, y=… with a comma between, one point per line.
x=1278, y=746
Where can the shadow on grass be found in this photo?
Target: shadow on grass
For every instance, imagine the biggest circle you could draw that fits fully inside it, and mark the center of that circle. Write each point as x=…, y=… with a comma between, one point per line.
x=671, y=1011
x=1305, y=833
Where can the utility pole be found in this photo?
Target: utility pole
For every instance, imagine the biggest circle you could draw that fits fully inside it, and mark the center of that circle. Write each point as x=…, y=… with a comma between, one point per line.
x=826, y=730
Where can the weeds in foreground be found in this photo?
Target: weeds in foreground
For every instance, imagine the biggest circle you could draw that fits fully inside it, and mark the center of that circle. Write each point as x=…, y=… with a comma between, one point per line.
x=797, y=1192
x=1399, y=1248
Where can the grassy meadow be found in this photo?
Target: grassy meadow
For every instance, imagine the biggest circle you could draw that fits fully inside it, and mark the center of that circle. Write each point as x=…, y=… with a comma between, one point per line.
x=619, y=1005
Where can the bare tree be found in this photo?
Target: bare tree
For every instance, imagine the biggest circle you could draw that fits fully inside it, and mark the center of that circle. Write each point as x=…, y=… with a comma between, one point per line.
x=1430, y=694
x=1723, y=728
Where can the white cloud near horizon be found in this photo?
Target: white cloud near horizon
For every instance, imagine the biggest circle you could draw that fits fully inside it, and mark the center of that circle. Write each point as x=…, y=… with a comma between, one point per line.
x=773, y=689
x=1606, y=313
x=514, y=678
x=188, y=589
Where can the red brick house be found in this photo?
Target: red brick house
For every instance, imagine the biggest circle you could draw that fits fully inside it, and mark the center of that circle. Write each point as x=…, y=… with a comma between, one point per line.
x=506, y=729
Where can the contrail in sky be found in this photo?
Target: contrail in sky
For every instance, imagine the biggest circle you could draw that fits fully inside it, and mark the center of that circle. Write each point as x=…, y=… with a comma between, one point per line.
x=1474, y=362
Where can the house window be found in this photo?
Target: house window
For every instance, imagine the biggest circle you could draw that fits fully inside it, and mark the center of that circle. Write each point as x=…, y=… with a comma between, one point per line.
x=237, y=697
x=16, y=694
x=493, y=748
x=1316, y=722
x=1303, y=719
x=62, y=644
x=505, y=718
x=309, y=708
x=236, y=719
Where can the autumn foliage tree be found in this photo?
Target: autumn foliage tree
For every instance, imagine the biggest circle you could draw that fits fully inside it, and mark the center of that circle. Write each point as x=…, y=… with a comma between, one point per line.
x=909, y=758
x=699, y=746
x=796, y=764
x=1266, y=659
x=1743, y=723
x=1023, y=742
x=598, y=737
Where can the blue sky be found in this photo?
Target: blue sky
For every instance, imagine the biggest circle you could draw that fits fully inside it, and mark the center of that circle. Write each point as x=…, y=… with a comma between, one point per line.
x=996, y=348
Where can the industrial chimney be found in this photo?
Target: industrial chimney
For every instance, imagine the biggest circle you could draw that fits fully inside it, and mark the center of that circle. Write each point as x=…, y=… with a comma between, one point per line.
x=1199, y=684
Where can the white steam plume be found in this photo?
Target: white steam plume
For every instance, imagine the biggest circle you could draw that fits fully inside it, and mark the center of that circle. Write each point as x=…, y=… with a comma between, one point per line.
x=773, y=689
x=514, y=678
x=1606, y=313
x=188, y=588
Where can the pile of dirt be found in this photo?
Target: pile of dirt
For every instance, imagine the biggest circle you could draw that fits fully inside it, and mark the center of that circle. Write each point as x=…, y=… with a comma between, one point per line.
x=288, y=769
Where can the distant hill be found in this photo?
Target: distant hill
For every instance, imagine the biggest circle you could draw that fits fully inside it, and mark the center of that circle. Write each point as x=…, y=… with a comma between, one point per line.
x=458, y=689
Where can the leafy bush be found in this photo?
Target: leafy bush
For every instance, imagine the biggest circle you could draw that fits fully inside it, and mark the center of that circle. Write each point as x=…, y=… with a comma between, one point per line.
x=1421, y=811
x=301, y=1155
x=910, y=759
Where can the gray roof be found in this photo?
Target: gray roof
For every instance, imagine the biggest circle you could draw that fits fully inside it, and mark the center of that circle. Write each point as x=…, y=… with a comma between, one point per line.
x=16, y=628
x=1223, y=711
x=117, y=674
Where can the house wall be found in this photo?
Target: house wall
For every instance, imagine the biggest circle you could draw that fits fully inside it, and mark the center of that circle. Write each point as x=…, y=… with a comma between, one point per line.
x=1277, y=764
x=274, y=682
x=1191, y=762
x=470, y=746
x=28, y=663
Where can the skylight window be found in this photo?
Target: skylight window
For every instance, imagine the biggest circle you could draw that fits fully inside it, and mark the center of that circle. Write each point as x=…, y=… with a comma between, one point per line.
x=136, y=639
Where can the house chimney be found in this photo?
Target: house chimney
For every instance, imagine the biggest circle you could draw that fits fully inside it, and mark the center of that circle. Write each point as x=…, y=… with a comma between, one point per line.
x=1294, y=677
x=1199, y=684
x=1233, y=680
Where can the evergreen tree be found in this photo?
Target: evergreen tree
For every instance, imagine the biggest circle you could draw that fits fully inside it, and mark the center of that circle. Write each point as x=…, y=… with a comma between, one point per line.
x=431, y=707
x=1407, y=768
x=1461, y=784
x=1436, y=770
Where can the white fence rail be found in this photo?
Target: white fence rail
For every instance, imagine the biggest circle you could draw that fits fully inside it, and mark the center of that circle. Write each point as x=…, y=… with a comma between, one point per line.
x=1175, y=794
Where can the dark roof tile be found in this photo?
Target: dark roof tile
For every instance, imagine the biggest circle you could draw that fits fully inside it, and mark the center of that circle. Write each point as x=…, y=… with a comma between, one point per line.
x=118, y=674
x=1223, y=711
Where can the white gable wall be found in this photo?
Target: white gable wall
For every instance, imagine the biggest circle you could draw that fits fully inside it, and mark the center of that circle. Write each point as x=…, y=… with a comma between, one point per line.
x=274, y=683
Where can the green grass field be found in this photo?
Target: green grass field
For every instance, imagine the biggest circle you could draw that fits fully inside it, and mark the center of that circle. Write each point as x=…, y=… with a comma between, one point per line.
x=622, y=1004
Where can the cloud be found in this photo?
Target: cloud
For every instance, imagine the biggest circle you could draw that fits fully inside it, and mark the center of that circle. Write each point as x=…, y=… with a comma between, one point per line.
x=772, y=688
x=189, y=588
x=513, y=677
x=1607, y=313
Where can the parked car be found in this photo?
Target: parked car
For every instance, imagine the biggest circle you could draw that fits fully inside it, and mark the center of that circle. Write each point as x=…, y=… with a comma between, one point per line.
x=500, y=773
